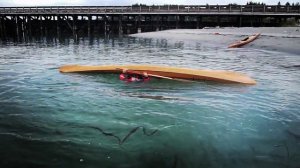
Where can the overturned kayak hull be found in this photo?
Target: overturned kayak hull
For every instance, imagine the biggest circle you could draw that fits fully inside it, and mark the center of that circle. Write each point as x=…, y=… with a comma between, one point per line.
x=244, y=41
x=167, y=71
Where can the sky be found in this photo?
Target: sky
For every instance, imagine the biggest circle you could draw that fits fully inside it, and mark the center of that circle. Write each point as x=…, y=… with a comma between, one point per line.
x=4, y=3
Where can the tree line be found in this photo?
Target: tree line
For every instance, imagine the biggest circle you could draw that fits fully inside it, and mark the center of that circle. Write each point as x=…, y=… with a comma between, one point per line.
x=278, y=4
x=235, y=4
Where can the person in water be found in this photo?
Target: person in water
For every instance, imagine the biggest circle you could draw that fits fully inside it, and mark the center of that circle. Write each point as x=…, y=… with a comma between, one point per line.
x=133, y=77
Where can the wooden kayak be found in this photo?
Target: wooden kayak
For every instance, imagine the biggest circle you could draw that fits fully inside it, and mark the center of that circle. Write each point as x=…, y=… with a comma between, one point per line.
x=166, y=71
x=244, y=41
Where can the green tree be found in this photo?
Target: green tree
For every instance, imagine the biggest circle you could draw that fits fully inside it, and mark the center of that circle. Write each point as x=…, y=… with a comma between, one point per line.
x=255, y=3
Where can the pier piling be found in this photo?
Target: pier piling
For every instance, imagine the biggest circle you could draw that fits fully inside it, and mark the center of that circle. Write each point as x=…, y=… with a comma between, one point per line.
x=1, y=27
x=89, y=25
x=120, y=25
x=19, y=22
x=57, y=26
x=16, y=18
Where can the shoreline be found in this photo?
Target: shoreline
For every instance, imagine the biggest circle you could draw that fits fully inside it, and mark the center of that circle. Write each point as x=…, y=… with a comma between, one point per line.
x=269, y=31
x=285, y=39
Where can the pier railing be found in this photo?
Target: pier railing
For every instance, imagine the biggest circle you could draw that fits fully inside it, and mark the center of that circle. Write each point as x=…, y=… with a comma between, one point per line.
x=267, y=9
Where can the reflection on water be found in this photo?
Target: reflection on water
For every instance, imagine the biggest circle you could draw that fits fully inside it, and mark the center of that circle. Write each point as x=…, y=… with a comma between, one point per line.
x=49, y=119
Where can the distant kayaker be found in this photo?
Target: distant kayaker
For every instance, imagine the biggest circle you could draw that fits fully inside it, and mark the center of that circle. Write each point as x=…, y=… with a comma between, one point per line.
x=130, y=76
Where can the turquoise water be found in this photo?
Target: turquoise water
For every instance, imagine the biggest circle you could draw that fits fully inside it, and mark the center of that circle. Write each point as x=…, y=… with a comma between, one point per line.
x=50, y=119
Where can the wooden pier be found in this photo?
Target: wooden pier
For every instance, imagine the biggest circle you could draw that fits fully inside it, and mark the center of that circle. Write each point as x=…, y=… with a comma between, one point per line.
x=22, y=22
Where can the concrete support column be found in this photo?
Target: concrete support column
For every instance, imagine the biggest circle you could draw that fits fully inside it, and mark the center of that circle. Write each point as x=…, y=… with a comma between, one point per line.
x=167, y=22
x=181, y=21
x=89, y=25
x=120, y=25
x=1, y=28
x=41, y=25
x=46, y=27
x=199, y=20
x=240, y=21
x=57, y=26
x=96, y=26
x=74, y=26
x=29, y=26
x=17, y=27
x=4, y=27
x=157, y=22
x=106, y=25
x=23, y=27
x=177, y=21
x=139, y=29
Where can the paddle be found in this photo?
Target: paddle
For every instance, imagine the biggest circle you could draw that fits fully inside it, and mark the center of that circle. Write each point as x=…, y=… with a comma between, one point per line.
x=157, y=76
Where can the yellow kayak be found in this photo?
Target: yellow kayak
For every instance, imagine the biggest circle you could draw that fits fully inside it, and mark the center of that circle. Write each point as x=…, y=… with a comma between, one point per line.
x=244, y=41
x=167, y=72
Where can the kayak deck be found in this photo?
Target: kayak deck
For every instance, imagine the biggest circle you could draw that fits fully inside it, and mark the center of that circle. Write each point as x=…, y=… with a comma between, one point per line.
x=167, y=71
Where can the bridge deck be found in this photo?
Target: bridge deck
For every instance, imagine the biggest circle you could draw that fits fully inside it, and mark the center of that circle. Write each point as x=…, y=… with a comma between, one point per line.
x=166, y=9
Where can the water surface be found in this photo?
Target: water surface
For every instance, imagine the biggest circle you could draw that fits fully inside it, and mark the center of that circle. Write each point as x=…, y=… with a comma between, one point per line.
x=50, y=119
